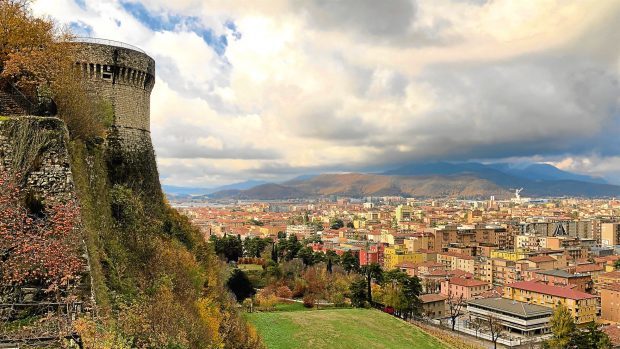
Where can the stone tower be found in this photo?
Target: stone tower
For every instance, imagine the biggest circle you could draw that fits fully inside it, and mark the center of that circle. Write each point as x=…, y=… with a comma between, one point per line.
x=124, y=76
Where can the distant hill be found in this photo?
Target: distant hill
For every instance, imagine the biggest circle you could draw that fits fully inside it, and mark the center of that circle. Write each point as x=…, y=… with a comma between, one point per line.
x=176, y=191
x=440, y=179
x=267, y=191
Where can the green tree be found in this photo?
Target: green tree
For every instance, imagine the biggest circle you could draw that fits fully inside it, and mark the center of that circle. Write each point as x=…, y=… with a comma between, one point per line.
x=307, y=256
x=401, y=292
x=336, y=223
x=358, y=294
x=372, y=273
x=617, y=264
x=563, y=328
x=254, y=246
x=349, y=262
x=592, y=337
x=240, y=285
x=288, y=248
x=228, y=247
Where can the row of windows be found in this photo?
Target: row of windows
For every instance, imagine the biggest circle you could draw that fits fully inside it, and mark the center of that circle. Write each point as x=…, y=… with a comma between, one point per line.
x=124, y=74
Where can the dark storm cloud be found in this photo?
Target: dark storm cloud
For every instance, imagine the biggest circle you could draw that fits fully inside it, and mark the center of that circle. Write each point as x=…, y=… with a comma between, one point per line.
x=387, y=22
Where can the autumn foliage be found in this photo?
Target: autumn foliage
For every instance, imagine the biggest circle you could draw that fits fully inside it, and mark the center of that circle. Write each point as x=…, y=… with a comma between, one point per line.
x=37, y=250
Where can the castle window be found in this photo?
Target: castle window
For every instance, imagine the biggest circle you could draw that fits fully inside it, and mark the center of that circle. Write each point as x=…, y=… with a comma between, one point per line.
x=107, y=72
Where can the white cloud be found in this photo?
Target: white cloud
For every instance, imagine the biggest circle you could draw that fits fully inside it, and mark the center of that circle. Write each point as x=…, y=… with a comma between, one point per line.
x=305, y=86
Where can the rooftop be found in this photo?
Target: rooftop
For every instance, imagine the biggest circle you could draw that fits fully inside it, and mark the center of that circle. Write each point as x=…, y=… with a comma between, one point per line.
x=560, y=273
x=542, y=288
x=515, y=308
x=432, y=297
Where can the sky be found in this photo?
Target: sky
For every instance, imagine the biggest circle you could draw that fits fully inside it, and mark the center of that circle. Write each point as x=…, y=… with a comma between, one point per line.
x=272, y=89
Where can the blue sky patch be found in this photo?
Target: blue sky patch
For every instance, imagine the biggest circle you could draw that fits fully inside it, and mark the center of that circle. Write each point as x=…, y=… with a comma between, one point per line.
x=80, y=28
x=81, y=4
x=172, y=22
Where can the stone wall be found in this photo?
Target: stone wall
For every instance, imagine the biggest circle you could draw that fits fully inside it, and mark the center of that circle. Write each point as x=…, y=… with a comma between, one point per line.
x=36, y=148
x=122, y=76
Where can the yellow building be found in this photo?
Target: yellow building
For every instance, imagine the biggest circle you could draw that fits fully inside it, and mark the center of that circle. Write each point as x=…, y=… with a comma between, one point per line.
x=419, y=242
x=394, y=255
x=404, y=213
x=610, y=234
x=508, y=255
x=583, y=306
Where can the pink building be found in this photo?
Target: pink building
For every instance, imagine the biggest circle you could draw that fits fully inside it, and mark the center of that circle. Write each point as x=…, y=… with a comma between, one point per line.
x=466, y=288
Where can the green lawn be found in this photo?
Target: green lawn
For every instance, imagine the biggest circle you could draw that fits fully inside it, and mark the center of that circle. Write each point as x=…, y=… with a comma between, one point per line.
x=250, y=267
x=339, y=328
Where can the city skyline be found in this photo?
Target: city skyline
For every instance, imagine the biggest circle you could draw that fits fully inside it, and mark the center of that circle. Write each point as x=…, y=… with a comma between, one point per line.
x=276, y=89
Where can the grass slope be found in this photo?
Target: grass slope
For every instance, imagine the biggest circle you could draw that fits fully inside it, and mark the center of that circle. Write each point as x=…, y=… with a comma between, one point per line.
x=339, y=328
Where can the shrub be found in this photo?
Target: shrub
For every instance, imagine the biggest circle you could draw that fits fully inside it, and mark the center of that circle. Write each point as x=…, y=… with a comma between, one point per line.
x=266, y=302
x=308, y=301
x=300, y=288
x=284, y=292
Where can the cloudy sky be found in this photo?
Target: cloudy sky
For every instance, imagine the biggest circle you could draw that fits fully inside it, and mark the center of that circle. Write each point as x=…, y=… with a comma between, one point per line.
x=277, y=88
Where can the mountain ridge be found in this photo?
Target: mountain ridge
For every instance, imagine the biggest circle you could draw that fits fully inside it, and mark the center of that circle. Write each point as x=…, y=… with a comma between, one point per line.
x=440, y=179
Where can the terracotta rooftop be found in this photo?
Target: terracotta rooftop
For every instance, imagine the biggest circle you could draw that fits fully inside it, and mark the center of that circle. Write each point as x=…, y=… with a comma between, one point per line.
x=432, y=297
x=542, y=288
x=541, y=259
x=611, y=275
x=588, y=268
x=467, y=282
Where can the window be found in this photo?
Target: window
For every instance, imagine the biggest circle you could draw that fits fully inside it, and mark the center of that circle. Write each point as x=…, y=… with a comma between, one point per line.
x=107, y=72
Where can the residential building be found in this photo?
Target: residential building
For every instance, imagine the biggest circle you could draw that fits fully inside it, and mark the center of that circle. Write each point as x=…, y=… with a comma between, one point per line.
x=610, y=234
x=583, y=306
x=394, y=255
x=434, y=306
x=610, y=302
x=467, y=288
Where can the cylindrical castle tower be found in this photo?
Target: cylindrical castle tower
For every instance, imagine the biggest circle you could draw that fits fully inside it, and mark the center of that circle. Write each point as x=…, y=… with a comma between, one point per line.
x=124, y=76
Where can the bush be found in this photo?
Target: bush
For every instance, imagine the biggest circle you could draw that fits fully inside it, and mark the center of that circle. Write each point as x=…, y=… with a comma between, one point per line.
x=309, y=301
x=266, y=302
x=284, y=292
x=300, y=288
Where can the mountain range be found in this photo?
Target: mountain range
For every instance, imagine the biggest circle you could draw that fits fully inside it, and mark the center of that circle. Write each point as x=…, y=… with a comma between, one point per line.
x=432, y=179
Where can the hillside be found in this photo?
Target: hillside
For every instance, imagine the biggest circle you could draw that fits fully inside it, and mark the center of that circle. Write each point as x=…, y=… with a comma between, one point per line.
x=468, y=185
x=359, y=185
x=149, y=279
x=339, y=328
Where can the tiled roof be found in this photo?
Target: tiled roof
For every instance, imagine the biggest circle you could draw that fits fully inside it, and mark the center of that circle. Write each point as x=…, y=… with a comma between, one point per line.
x=466, y=282
x=541, y=259
x=432, y=297
x=542, y=288
x=611, y=275
x=588, y=268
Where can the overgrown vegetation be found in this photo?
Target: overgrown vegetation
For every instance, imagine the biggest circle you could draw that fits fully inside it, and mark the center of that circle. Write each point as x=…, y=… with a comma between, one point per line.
x=37, y=58
x=158, y=283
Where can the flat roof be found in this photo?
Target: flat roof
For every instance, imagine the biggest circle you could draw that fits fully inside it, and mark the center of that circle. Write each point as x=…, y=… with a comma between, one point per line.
x=516, y=308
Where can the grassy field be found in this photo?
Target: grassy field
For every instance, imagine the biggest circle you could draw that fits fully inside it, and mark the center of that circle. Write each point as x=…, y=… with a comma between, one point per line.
x=338, y=328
